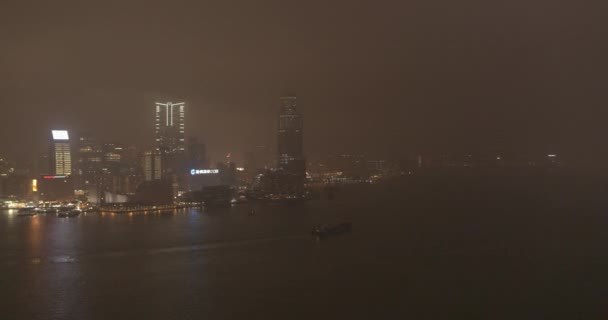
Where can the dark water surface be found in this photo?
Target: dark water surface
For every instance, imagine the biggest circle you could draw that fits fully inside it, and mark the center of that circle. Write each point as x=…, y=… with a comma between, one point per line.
x=507, y=247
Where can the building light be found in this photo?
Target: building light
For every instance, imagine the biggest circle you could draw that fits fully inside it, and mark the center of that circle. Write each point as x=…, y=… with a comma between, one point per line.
x=60, y=135
x=240, y=169
x=34, y=185
x=195, y=172
x=54, y=177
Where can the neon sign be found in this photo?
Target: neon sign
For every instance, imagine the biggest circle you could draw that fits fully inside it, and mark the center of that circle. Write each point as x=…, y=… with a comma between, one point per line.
x=196, y=172
x=54, y=177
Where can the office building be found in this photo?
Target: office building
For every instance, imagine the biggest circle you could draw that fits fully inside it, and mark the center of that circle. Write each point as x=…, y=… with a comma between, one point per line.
x=55, y=187
x=152, y=166
x=170, y=127
x=61, y=153
x=112, y=153
x=88, y=162
x=290, y=138
x=196, y=154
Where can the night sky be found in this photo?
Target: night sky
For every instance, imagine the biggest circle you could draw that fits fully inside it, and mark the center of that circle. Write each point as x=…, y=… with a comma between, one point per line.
x=375, y=77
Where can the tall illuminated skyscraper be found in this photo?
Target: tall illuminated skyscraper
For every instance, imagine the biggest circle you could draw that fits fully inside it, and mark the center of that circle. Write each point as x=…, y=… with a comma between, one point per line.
x=170, y=127
x=61, y=153
x=290, y=136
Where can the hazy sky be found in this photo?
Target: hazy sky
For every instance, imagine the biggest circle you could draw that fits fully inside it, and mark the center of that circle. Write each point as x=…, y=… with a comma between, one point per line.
x=371, y=76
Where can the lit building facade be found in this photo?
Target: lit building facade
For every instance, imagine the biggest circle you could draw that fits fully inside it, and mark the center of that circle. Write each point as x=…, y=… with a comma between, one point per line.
x=55, y=187
x=112, y=153
x=4, y=167
x=152, y=166
x=61, y=153
x=169, y=127
x=170, y=123
x=88, y=160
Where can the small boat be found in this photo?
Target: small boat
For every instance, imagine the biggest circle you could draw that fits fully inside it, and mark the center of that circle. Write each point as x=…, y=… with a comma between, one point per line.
x=325, y=230
x=51, y=210
x=46, y=210
x=27, y=212
x=238, y=200
x=69, y=213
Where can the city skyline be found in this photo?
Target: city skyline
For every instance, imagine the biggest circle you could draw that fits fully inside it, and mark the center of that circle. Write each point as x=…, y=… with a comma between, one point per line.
x=196, y=159
x=403, y=76
x=169, y=134
x=150, y=140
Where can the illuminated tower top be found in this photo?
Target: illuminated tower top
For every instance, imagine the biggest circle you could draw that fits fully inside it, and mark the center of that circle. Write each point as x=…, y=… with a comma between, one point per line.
x=170, y=127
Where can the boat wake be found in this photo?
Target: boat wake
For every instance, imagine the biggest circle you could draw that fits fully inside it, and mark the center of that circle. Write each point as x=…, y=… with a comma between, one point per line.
x=160, y=251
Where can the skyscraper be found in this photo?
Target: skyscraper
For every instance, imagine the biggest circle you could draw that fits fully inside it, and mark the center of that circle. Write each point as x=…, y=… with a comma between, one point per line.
x=88, y=160
x=290, y=138
x=170, y=127
x=196, y=154
x=170, y=123
x=61, y=153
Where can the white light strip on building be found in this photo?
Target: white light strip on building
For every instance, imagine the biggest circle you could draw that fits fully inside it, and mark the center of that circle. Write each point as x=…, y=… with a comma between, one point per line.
x=204, y=171
x=169, y=118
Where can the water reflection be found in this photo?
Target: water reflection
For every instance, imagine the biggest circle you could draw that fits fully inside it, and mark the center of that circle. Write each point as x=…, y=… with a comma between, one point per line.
x=71, y=266
x=11, y=214
x=34, y=236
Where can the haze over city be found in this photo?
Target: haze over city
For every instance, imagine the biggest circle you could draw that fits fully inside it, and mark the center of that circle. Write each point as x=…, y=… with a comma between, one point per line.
x=414, y=159
x=389, y=78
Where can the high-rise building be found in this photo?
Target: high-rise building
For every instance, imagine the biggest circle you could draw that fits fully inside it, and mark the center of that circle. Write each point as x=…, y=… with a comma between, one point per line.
x=170, y=127
x=61, y=153
x=112, y=153
x=170, y=143
x=89, y=150
x=196, y=154
x=4, y=166
x=152, y=166
x=88, y=161
x=290, y=136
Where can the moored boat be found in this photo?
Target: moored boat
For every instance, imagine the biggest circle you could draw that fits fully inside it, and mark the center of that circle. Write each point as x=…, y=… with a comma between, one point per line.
x=27, y=212
x=324, y=230
x=68, y=212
